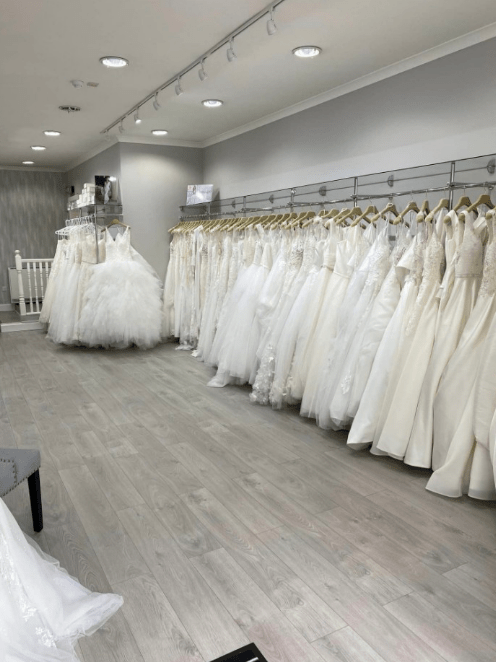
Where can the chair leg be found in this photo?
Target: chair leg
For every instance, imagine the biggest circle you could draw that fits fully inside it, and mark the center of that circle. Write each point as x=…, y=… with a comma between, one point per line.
x=35, y=498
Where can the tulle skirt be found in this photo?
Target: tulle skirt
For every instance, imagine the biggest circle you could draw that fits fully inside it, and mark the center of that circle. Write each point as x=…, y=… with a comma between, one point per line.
x=122, y=306
x=43, y=611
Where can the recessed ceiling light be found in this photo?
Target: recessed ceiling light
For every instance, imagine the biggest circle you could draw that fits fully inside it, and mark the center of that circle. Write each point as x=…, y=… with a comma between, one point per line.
x=51, y=133
x=159, y=132
x=212, y=103
x=307, y=51
x=38, y=148
x=114, y=61
x=28, y=163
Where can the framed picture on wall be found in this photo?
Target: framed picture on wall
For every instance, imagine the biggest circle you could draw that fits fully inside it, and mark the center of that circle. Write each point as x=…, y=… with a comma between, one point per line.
x=199, y=193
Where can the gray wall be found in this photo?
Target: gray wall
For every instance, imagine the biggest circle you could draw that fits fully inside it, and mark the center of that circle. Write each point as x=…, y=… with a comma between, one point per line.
x=440, y=111
x=107, y=162
x=32, y=207
x=153, y=184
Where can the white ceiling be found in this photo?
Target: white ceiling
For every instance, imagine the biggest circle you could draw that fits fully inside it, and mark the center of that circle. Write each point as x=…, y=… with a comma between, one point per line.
x=44, y=44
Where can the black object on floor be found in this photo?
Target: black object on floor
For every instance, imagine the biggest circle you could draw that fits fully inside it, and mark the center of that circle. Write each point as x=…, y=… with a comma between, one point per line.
x=248, y=653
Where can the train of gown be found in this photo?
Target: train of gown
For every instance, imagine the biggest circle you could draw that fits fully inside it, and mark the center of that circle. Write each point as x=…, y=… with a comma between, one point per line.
x=43, y=611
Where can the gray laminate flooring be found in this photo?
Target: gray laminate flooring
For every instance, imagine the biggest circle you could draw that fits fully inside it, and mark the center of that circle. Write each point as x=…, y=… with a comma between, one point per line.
x=221, y=522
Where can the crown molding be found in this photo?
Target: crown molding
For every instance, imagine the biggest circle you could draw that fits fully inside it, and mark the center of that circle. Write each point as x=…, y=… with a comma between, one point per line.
x=447, y=48
x=98, y=149
x=31, y=168
x=172, y=142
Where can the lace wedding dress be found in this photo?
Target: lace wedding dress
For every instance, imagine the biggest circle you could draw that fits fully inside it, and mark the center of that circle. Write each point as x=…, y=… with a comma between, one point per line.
x=43, y=611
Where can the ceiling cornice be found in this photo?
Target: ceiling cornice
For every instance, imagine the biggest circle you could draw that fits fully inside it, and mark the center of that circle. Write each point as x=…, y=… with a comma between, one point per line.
x=173, y=142
x=31, y=168
x=449, y=47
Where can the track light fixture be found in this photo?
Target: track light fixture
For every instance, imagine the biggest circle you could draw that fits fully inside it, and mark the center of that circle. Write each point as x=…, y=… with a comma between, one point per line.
x=178, y=89
x=156, y=103
x=202, y=74
x=231, y=55
x=121, y=127
x=271, y=25
x=137, y=118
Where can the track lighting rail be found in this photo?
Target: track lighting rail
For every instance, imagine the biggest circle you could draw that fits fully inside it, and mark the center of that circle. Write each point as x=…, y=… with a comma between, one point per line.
x=200, y=61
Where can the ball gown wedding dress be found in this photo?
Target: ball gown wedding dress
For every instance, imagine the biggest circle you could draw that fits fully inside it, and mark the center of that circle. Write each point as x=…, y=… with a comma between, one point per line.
x=43, y=611
x=50, y=292
x=452, y=317
x=411, y=366
x=123, y=299
x=454, y=405
x=364, y=429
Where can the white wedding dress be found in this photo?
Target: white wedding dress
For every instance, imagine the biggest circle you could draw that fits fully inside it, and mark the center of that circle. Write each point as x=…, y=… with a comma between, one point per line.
x=123, y=300
x=364, y=429
x=404, y=388
x=43, y=611
x=452, y=317
x=461, y=465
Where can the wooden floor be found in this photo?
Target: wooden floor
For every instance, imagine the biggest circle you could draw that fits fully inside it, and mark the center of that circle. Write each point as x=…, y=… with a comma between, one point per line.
x=223, y=523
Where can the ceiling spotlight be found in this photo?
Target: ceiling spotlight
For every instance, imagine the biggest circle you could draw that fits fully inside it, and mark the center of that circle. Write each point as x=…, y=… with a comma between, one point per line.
x=38, y=148
x=121, y=127
x=114, y=61
x=51, y=133
x=271, y=25
x=156, y=103
x=159, y=132
x=231, y=55
x=307, y=51
x=178, y=89
x=212, y=103
x=28, y=163
x=137, y=119
x=202, y=74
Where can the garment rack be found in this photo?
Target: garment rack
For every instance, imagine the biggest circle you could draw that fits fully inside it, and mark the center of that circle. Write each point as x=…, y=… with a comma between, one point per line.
x=239, y=206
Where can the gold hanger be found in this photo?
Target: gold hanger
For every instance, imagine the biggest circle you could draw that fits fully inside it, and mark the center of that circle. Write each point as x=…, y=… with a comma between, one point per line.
x=371, y=209
x=411, y=206
x=390, y=208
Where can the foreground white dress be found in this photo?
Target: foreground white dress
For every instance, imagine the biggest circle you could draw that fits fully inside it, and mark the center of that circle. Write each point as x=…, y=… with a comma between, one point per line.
x=123, y=300
x=43, y=611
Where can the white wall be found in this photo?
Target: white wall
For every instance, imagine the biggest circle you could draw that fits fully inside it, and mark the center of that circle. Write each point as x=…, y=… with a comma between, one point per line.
x=441, y=111
x=153, y=185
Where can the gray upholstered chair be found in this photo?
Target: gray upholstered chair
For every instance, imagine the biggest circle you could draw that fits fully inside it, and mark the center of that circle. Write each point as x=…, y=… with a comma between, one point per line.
x=15, y=466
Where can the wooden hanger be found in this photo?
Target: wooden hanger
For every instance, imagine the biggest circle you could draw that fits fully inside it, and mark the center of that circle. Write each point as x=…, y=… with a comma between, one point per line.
x=464, y=201
x=483, y=199
x=364, y=216
x=442, y=204
x=411, y=206
x=390, y=208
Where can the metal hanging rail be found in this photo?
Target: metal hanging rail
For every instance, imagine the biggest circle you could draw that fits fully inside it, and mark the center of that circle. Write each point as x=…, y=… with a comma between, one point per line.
x=488, y=163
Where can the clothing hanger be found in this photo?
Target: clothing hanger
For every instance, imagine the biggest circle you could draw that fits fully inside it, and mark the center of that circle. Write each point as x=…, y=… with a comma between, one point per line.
x=411, y=206
x=442, y=204
x=464, y=201
x=371, y=209
x=390, y=208
x=483, y=199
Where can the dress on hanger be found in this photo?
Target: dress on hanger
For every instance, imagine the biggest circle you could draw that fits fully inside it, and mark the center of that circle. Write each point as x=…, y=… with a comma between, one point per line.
x=299, y=369
x=410, y=369
x=123, y=299
x=364, y=429
x=62, y=325
x=241, y=334
x=43, y=611
x=326, y=327
x=452, y=318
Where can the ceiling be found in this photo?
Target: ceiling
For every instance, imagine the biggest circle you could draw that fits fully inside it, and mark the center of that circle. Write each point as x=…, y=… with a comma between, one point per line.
x=44, y=44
